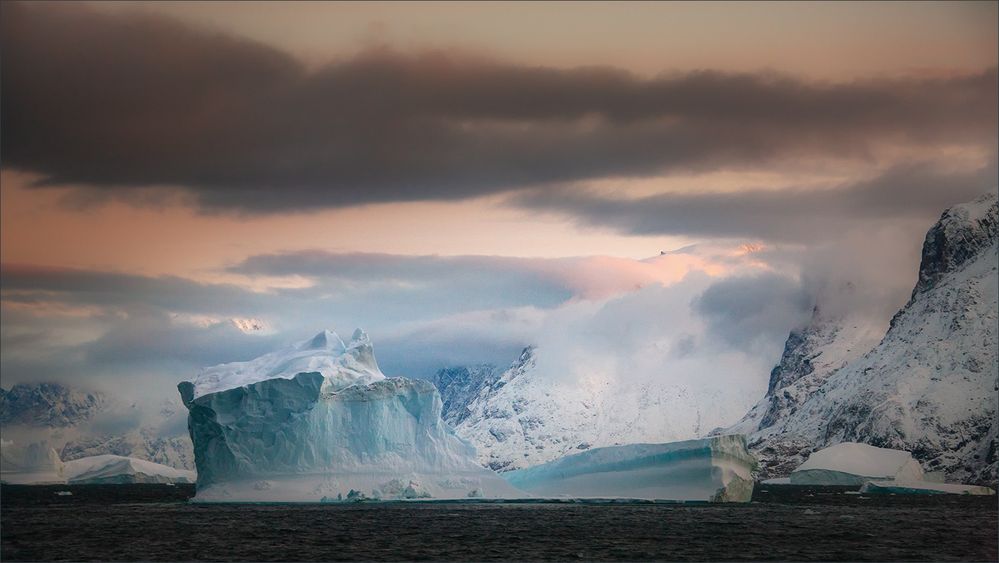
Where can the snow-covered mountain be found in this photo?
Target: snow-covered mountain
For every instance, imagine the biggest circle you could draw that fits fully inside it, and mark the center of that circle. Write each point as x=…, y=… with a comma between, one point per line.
x=523, y=418
x=929, y=386
x=459, y=385
x=48, y=404
x=811, y=355
x=319, y=421
x=73, y=421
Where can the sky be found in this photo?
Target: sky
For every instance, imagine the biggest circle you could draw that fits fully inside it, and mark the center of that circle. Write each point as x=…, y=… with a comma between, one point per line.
x=185, y=184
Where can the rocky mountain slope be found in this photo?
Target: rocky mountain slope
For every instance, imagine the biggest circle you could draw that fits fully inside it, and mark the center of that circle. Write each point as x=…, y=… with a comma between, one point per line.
x=523, y=418
x=48, y=404
x=929, y=386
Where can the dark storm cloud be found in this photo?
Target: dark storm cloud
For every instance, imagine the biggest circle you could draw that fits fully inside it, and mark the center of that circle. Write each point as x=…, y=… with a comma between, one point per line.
x=115, y=102
x=403, y=286
x=375, y=266
x=912, y=191
x=31, y=284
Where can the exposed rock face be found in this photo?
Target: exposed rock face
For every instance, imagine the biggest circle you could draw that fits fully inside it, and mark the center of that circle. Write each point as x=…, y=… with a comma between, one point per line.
x=811, y=356
x=929, y=386
x=459, y=386
x=48, y=404
x=962, y=233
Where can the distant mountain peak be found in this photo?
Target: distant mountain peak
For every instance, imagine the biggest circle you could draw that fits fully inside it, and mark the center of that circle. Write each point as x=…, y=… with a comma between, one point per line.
x=961, y=233
x=48, y=404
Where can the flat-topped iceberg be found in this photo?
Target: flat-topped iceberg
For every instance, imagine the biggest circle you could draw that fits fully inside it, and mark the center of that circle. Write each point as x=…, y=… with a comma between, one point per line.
x=923, y=488
x=116, y=469
x=717, y=469
x=29, y=464
x=318, y=421
x=851, y=463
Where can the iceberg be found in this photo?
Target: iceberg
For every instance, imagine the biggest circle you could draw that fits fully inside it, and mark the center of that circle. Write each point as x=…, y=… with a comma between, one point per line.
x=923, y=488
x=716, y=469
x=851, y=463
x=318, y=421
x=116, y=469
x=32, y=464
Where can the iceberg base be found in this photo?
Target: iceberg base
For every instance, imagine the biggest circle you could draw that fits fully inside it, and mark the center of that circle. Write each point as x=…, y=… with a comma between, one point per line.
x=355, y=487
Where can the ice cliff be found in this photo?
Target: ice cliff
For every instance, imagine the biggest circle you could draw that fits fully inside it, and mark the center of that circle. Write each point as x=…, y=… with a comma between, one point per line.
x=319, y=421
x=714, y=469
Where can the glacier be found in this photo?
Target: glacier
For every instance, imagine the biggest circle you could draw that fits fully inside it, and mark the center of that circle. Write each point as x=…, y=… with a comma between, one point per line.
x=116, y=469
x=318, y=421
x=716, y=469
x=850, y=463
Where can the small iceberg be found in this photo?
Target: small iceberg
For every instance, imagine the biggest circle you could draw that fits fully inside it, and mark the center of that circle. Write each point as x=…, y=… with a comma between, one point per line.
x=716, y=469
x=30, y=464
x=119, y=470
x=850, y=463
x=923, y=488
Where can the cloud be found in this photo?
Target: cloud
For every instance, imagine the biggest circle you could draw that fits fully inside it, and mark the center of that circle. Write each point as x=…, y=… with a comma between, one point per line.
x=745, y=310
x=38, y=285
x=128, y=101
x=423, y=311
x=916, y=191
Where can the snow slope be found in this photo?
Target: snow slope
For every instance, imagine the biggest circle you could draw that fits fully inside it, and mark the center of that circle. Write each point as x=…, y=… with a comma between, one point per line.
x=114, y=469
x=338, y=429
x=523, y=419
x=712, y=469
x=929, y=386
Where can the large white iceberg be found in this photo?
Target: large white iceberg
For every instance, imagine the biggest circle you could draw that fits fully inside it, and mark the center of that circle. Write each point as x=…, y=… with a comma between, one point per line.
x=717, y=469
x=851, y=463
x=116, y=469
x=319, y=421
x=31, y=464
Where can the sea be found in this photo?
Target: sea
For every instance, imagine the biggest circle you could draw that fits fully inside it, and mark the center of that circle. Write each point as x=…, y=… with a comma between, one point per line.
x=782, y=523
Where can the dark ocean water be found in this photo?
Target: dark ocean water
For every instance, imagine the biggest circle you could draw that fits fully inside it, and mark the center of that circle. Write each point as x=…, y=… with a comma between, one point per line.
x=156, y=523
